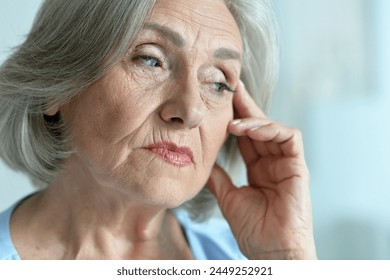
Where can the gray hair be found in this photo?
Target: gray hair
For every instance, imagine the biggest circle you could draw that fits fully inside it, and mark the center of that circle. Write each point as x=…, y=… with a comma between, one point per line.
x=71, y=45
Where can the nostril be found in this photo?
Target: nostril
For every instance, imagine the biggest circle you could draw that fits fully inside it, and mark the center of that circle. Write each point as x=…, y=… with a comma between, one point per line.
x=177, y=120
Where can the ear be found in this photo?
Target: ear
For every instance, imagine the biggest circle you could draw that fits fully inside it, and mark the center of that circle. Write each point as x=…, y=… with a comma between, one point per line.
x=52, y=111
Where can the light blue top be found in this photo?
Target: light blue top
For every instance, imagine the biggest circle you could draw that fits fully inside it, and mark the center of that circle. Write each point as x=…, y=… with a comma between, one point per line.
x=7, y=248
x=209, y=240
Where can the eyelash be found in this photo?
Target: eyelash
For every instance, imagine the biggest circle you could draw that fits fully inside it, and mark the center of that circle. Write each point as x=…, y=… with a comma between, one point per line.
x=223, y=85
x=148, y=57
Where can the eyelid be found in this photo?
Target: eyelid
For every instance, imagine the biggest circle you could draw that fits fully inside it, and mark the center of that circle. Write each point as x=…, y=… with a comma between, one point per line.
x=155, y=52
x=147, y=57
x=226, y=86
x=149, y=49
x=228, y=81
x=230, y=72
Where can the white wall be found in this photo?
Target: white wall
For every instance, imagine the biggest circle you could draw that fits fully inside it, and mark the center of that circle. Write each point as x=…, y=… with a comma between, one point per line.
x=16, y=17
x=334, y=87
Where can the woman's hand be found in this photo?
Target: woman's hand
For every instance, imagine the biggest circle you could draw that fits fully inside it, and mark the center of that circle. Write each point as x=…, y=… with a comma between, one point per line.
x=270, y=218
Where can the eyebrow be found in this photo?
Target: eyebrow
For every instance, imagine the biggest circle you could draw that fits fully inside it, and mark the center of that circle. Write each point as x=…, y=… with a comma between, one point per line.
x=178, y=40
x=224, y=53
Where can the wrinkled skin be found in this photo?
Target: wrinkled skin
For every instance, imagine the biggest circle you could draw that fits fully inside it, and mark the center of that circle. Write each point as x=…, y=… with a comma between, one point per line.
x=176, y=84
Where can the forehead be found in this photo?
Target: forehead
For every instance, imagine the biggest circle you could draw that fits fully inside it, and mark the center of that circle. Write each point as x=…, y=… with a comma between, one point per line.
x=198, y=20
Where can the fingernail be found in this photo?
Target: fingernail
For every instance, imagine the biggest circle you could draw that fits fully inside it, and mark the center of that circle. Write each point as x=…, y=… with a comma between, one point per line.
x=236, y=121
x=255, y=128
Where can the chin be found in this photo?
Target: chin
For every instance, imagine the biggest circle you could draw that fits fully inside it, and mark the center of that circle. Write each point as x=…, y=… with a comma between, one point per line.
x=163, y=192
x=171, y=195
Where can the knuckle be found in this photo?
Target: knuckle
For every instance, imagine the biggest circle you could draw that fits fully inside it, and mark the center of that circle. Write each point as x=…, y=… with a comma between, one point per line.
x=274, y=126
x=297, y=133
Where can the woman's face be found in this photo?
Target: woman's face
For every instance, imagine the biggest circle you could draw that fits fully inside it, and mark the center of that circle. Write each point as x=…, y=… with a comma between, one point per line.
x=152, y=127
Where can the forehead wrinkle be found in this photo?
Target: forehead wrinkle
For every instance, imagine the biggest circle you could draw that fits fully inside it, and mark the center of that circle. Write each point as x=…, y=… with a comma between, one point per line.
x=217, y=21
x=172, y=35
x=203, y=10
x=209, y=22
x=222, y=24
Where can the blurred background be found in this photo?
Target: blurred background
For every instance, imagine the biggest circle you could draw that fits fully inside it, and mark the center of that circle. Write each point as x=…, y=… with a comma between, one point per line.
x=334, y=85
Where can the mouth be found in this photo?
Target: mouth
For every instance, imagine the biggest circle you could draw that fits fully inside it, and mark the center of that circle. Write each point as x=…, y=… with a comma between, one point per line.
x=179, y=156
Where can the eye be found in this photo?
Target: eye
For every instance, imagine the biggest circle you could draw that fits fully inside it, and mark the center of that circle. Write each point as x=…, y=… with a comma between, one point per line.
x=149, y=61
x=220, y=87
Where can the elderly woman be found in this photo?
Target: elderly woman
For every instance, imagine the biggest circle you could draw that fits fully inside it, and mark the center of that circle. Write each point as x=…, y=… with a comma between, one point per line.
x=117, y=110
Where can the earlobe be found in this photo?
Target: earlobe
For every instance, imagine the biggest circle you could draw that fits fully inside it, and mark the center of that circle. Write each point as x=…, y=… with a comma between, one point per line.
x=52, y=111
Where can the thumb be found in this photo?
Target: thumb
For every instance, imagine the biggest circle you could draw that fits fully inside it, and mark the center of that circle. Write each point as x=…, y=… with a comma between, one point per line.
x=220, y=185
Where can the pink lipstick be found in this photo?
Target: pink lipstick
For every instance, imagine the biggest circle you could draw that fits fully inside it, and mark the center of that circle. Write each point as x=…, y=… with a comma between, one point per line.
x=173, y=154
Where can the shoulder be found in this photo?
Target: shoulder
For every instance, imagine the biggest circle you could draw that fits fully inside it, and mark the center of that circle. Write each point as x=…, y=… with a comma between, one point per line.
x=211, y=239
x=7, y=248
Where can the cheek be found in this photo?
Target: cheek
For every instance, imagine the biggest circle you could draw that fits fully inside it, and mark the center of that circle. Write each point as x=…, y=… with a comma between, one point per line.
x=215, y=131
x=145, y=78
x=221, y=117
x=118, y=118
x=103, y=116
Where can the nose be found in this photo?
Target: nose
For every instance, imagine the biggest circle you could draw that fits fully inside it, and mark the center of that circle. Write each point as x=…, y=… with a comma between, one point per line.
x=184, y=107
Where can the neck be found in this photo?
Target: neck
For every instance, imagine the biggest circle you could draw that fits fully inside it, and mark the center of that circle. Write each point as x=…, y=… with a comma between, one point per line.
x=87, y=220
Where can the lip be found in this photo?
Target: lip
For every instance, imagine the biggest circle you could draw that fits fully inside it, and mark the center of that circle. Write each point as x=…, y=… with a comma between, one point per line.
x=179, y=156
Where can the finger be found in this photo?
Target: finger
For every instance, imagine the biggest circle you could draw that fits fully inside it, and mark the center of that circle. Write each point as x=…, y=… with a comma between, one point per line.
x=294, y=146
x=245, y=106
x=248, y=151
x=220, y=185
x=273, y=148
x=271, y=132
x=288, y=139
x=239, y=127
